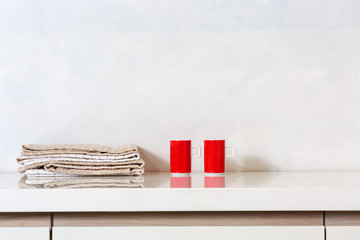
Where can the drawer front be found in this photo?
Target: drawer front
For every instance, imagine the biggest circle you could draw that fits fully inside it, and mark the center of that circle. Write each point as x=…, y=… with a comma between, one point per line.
x=24, y=233
x=342, y=232
x=181, y=233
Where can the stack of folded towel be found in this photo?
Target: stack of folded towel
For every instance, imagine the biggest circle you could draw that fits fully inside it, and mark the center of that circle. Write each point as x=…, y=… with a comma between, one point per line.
x=80, y=160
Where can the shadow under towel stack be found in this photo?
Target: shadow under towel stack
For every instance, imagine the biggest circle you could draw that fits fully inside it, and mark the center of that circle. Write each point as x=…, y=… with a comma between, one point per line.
x=80, y=159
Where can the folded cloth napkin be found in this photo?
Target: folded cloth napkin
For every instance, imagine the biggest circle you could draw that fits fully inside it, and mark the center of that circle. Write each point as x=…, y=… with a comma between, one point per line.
x=80, y=159
x=89, y=149
x=82, y=182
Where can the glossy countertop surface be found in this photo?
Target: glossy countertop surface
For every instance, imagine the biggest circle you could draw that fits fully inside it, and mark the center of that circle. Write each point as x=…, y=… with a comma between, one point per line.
x=240, y=191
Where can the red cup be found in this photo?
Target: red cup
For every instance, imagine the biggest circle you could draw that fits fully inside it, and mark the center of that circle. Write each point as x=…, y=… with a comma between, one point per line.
x=180, y=156
x=180, y=182
x=214, y=182
x=214, y=156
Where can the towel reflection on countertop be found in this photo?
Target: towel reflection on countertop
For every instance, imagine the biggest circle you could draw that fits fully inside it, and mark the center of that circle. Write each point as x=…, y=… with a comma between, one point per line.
x=82, y=182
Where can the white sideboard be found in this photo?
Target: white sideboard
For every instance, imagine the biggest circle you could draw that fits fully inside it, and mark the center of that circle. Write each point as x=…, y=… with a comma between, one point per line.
x=312, y=206
x=278, y=191
x=181, y=233
x=192, y=225
x=20, y=226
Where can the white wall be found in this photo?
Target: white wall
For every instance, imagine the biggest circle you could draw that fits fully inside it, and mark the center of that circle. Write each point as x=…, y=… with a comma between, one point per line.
x=278, y=79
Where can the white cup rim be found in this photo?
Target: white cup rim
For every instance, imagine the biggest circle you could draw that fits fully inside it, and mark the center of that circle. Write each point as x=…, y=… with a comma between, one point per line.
x=180, y=174
x=180, y=139
x=214, y=174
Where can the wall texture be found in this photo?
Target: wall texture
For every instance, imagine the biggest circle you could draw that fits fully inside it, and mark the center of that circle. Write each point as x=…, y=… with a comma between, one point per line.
x=280, y=80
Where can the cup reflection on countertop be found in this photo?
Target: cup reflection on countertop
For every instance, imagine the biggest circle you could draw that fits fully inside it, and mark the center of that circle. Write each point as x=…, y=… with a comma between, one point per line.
x=214, y=181
x=180, y=181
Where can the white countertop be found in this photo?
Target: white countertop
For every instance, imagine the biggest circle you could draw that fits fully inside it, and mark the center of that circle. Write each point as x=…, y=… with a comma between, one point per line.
x=256, y=191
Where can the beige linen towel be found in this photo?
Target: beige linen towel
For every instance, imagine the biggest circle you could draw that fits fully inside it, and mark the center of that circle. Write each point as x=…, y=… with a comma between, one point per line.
x=81, y=159
x=139, y=163
x=90, y=149
x=82, y=182
x=132, y=169
x=56, y=169
x=29, y=158
x=68, y=171
x=34, y=173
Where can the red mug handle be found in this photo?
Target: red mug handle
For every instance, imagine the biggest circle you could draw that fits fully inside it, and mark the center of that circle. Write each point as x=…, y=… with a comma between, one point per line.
x=199, y=151
x=232, y=153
